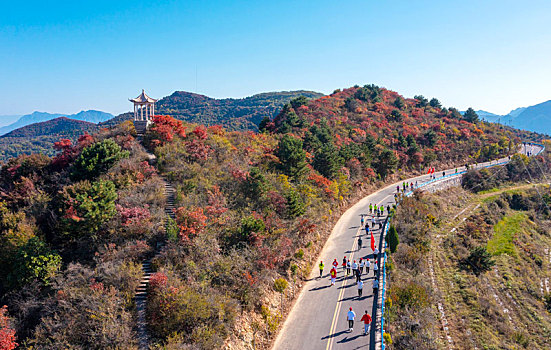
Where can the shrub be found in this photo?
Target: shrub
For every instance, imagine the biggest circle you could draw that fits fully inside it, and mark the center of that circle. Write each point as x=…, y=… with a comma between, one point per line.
x=86, y=206
x=7, y=334
x=97, y=159
x=201, y=318
x=299, y=254
x=392, y=238
x=192, y=222
x=172, y=229
x=295, y=204
x=163, y=130
x=280, y=284
x=478, y=261
x=410, y=296
x=387, y=338
x=34, y=260
x=84, y=314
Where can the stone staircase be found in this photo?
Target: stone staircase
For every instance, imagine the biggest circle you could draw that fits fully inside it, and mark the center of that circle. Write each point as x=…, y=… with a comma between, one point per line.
x=141, y=126
x=141, y=291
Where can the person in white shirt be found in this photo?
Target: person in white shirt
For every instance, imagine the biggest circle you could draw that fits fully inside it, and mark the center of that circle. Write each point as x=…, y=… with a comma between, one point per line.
x=375, y=269
x=361, y=266
x=375, y=288
x=360, y=288
x=367, y=266
x=350, y=316
x=375, y=253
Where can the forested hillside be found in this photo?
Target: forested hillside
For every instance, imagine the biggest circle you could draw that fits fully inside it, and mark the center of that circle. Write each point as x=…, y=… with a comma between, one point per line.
x=473, y=266
x=232, y=113
x=252, y=211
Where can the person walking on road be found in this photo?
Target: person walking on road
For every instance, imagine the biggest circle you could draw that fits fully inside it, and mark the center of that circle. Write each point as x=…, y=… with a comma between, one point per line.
x=373, y=222
x=375, y=288
x=356, y=270
x=335, y=264
x=366, y=319
x=344, y=263
x=375, y=268
x=366, y=228
x=370, y=208
x=375, y=253
x=361, y=266
x=360, y=288
x=360, y=243
x=333, y=274
x=350, y=317
x=348, y=266
x=321, y=266
x=362, y=221
x=367, y=266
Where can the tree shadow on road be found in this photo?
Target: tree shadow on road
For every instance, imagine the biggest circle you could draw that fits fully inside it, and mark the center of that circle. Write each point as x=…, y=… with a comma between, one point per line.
x=336, y=334
x=348, y=286
x=319, y=288
x=347, y=339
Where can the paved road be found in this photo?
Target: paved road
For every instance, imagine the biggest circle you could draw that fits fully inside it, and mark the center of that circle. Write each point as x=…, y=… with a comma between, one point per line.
x=318, y=318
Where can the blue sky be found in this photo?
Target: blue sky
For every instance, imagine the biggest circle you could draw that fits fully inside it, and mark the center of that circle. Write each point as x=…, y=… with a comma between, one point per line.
x=63, y=57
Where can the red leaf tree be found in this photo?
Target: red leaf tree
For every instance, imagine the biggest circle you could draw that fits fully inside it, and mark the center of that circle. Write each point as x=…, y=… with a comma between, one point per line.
x=191, y=221
x=164, y=128
x=7, y=334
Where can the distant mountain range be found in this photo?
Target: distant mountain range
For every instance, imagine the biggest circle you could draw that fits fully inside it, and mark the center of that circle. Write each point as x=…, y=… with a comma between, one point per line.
x=534, y=118
x=91, y=116
x=61, y=126
x=8, y=119
x=232, y=113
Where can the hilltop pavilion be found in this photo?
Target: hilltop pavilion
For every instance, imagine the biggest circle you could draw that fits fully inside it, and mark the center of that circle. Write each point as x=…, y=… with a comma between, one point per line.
x=144, y=110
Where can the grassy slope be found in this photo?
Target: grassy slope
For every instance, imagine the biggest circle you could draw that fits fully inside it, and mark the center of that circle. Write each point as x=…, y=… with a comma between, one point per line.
x=502, y=308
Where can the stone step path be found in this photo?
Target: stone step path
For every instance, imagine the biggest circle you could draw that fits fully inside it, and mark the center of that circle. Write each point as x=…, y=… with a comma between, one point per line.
x=141, y=291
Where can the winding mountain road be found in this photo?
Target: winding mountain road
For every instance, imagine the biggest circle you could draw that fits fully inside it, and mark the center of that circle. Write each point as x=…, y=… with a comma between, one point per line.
x=317, y=321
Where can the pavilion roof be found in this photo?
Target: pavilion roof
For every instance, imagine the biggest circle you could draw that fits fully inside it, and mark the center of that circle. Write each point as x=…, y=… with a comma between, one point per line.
x=143, y=98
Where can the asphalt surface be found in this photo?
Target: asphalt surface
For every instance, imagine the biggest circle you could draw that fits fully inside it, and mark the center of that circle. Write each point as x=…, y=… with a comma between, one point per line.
x=318, y=320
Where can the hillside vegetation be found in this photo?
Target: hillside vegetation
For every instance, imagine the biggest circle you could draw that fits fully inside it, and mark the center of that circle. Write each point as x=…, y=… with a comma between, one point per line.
x=477, y=264
x=251, y=208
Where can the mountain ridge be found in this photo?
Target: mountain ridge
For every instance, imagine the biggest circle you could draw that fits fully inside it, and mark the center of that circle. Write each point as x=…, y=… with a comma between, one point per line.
x=535, y=118
x=233, y=113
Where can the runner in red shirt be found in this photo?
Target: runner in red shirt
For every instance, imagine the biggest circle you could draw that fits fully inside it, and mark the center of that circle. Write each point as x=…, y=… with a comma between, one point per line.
x=333, y=274
x=366, y=318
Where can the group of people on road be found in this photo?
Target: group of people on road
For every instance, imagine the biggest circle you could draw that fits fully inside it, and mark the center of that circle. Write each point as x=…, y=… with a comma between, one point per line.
x=357, y=269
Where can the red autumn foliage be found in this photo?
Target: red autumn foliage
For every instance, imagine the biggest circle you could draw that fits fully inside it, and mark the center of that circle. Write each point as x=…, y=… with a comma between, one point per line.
x=277, y=201
x=157, y=282
x=164, y=128
x=133, y=216
x=200, y=132
x=198, y=150
x=7, y=334
x=191, y=221
x=217, y=130
x=216, y=205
